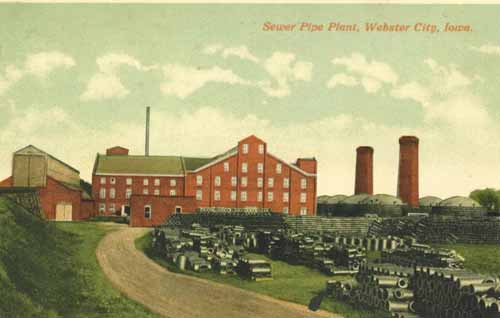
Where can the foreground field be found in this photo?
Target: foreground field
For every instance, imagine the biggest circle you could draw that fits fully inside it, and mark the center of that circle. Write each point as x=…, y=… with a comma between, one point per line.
x=484, y=258
x=291, y=283
x=50, y=270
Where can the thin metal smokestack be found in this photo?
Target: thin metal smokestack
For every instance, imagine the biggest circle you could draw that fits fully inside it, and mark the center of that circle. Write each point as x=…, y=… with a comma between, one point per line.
x=147, y=131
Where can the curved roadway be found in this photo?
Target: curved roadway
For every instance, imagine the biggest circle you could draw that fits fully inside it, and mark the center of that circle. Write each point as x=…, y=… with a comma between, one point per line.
x=180, y=296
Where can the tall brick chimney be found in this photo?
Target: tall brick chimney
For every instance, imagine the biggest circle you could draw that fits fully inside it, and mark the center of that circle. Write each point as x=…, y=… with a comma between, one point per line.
x=364, y=170
x=408, y=170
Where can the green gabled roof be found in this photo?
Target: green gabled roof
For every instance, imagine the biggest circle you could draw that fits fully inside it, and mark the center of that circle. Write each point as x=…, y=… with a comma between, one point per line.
x=191, y=163
x=139, y=164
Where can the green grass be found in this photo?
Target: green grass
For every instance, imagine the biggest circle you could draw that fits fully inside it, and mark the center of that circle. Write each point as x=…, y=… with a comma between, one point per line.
x=482, y=258
x=294, y=283
x=50, y=270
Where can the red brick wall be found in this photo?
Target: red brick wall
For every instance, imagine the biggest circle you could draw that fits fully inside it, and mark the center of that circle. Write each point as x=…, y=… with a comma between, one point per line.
x=308, y=165
x=137, y=187
x=161, y=208
x=117, y=151
x=87, y=209
x=54, y=193
x=6, y=182
x=364, y=170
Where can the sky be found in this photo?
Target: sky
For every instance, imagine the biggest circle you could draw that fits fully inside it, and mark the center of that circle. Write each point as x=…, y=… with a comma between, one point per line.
x=75, y=80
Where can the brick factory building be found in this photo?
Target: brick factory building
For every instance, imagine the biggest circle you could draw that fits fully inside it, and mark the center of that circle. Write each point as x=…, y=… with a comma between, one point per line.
x=58, y=184
x=246, y=176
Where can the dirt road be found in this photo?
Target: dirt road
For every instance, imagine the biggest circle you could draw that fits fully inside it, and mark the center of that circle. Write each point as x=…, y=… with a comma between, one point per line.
x=180, y=296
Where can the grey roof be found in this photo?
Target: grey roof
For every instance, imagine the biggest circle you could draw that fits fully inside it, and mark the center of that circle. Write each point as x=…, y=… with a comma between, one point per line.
x=429, y=201
x=459, y=201
x=322, y=198
x=336, y=198
x=355, y=199
x=382, y=199
x=47, y=154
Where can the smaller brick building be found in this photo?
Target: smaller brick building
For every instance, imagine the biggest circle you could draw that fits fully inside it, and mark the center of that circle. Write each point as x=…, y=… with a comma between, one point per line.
x=58, y=184
x=150, y=210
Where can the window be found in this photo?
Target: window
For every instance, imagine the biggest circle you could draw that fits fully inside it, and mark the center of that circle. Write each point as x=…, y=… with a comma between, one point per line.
x=233, y=195
x=243, y=195
x=226, y=166
x=270, y=197
x=147, y=211
x=178, y=209
x=303, y=211
x=102, y=194
x=234, y=181
x=245, y=148
x=173, y=182
x=303, y=197
x=286, y=182
x=285, y=210
x=303, y=183
x=129, y=181
x=199, y=195
x=270, y=182
x=217, y=195
x=259, y=196
x=286, y=197
x=128, y=193
x=112, y=180
x=103, y=180
x=243, y=181
x=157, y=182
x=217, y=181
x=199, y=180
x=260, y=167
x=260, y=181
x=244, y=167
x=111, y=208
x=102, y=208
x=145, y=182
x=112, y=193
x=157, y=192
x=278, y=168
x=173, y=193
x=145, y=191
x=261, y=148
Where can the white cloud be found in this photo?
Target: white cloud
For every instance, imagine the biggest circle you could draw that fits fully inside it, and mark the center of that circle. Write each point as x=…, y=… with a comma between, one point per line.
x=39, y=64
x=106, y=84
x=342, y=79
x=241, y=52
x=212, y=49
x=371, y=85
x=489, y=49
x=284, y=69
x=183, y=81
x=446, y=97
x=371, y=70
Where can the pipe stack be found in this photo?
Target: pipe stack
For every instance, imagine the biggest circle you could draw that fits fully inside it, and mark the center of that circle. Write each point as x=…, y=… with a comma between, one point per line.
x=456, y=293
x=423, y=255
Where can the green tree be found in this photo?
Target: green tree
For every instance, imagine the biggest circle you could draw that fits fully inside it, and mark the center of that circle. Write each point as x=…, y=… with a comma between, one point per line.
x=489, y=198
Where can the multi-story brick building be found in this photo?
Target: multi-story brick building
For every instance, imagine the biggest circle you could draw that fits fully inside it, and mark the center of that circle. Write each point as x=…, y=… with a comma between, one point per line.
x=246, y=176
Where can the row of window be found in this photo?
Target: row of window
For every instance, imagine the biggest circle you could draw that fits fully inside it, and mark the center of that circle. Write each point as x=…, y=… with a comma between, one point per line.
x=178, y=209
x=128, y=193
x=145, y=181
x=244, y=182
x=260, y=167
x=246, y=148
x=243, y=196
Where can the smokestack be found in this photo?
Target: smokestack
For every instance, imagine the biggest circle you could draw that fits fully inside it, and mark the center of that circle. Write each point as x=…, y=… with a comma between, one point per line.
x=364, y=170
x=408, y=170
x=147, y=131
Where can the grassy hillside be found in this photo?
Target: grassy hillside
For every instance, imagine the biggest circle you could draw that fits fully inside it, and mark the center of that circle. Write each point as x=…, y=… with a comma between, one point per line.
x=50, y=270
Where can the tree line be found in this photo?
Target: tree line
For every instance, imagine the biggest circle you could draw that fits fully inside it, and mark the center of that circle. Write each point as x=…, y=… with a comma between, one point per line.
x=488, y=198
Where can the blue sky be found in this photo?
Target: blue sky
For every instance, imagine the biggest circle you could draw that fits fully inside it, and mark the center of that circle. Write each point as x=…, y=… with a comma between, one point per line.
x=75, y=79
